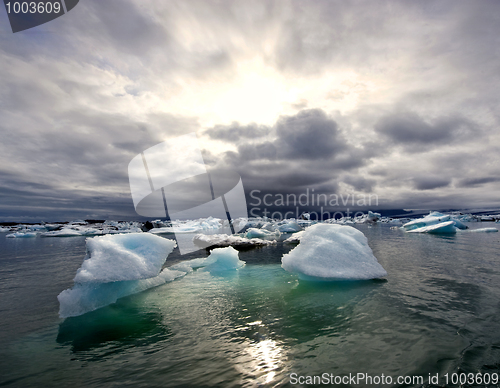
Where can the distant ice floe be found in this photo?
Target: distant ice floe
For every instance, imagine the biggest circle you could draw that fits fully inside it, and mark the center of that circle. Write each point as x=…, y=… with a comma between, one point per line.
x=447, y=227
x=439, y=223
x=21, y=235
x=121, y=265
x=225, y=240
x=483, y=230
x=188, y=226
x=365, y=218
x=435, y=223
x=434, y=218
x=64, y=232
x=333, y=252
x=372, y=216
x=259, y=233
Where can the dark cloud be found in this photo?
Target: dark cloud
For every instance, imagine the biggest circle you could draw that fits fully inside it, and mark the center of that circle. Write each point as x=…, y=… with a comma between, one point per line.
x=308, y=135
x=359, y=183
x=411, y=130
x=306, y=151
x=430, y=182
x=265, y=150
x=478, y=181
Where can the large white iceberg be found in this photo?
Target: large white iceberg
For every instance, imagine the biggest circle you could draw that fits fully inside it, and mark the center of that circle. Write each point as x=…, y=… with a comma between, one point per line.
x=120, y=257
x=116, y=266
x=333, y=252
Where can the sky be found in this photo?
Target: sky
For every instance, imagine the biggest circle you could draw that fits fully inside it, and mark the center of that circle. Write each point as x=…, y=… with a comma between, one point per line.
x=398, y=100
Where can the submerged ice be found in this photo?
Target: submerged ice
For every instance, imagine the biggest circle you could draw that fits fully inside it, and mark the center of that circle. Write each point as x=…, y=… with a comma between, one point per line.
x=333, y=252
x=85, y=297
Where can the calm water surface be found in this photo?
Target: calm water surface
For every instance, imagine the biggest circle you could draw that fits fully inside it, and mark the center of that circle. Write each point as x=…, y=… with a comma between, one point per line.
x=438, y=311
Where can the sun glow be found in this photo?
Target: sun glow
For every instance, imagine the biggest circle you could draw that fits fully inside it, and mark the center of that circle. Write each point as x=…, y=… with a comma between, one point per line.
x=254, y=91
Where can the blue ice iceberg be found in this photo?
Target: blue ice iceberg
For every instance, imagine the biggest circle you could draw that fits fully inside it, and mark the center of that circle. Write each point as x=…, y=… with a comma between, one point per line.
x=447, y=227
x=333, y=252
x=220, y=259
x=421, y=225
x=115, y=266
x=436, y=223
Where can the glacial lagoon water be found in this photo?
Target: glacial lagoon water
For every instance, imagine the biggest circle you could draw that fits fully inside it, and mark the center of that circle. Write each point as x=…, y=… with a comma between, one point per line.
x=437, y=312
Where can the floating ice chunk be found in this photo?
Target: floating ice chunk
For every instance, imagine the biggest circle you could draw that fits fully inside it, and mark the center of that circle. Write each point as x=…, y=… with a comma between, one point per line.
x=171, y=229
x=432, y=219
x=85, y=297
x=289, y=227
x=270, y=226
x=65, y=232
x=116, y=266
x=373, y=217
x=483, y=230
x=21, y=235
x=78, y=222
x=220, y=259
x=259, y=233
x=223, y=259
x=122, y=257
x=224, y=240
x=189, y=226
x=447, y=227
x=37, y=228
x=333, y=252
x=51, y=227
